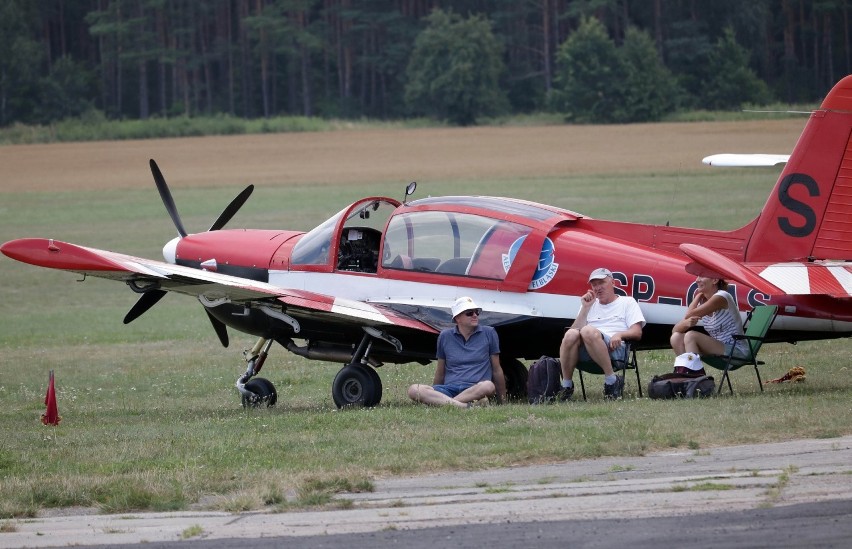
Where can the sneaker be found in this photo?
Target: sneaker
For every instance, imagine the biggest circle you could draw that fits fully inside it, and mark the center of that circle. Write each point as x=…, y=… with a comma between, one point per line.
x=614, y=391
x=565, y=394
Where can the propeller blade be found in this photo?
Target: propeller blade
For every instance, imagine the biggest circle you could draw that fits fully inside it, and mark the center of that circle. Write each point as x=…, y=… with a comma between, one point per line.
x=219, y=326
x=232, y=208
x=148, y=300
x=166, y=195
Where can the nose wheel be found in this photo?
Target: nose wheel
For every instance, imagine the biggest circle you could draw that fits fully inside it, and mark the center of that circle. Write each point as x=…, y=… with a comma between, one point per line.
x=257, y=391
x=263, y=393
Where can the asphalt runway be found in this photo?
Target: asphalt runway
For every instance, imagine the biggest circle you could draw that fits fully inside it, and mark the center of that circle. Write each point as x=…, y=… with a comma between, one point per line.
x=823, y=524
x=795, y=493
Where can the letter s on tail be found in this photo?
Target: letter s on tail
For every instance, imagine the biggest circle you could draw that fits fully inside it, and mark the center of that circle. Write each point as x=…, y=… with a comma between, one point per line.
x=809, y=213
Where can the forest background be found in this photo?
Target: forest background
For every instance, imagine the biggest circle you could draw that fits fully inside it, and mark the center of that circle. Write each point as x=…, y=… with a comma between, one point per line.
x=595, y=61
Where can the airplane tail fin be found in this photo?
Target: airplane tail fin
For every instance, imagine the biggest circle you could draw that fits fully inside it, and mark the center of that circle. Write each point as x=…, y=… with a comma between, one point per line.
x=809, y=213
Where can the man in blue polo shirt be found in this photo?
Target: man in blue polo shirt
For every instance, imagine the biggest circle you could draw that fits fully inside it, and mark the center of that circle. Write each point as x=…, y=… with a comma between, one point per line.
x=468, y=362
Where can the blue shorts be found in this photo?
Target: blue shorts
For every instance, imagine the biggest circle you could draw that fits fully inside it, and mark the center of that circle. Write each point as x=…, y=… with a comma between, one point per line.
x=738, y=352
x=618, y=355
x=453, y=389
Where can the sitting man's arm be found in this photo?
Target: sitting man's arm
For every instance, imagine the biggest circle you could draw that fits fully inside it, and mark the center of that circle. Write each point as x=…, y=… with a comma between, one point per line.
x=440, y=370
x=633, y=333
x=586, y=302
x=498, y=378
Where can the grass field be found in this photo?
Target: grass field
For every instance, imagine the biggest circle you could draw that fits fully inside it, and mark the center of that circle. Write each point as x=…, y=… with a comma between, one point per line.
x=151, y=419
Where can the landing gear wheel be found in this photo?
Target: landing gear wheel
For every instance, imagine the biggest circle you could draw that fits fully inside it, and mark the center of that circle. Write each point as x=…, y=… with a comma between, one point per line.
x=354, y=386
x=377, y=386
x=264, y=391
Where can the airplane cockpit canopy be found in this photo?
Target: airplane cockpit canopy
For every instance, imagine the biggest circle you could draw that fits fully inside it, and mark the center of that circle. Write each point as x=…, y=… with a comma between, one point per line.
x=359, y=227
x=474, y=236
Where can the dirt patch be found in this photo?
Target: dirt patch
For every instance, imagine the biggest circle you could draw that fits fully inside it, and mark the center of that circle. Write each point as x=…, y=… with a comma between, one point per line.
x=358, y=156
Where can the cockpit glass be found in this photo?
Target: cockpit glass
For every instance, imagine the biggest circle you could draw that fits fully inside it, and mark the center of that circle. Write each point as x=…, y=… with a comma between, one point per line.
x=312, y=249
x=452, y=243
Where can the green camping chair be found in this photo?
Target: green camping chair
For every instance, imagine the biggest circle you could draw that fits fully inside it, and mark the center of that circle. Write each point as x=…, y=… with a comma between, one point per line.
x=631, y=363
x=757, y=324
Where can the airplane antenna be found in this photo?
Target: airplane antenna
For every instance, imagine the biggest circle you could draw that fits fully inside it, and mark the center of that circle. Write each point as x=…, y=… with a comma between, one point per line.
x=674, y=190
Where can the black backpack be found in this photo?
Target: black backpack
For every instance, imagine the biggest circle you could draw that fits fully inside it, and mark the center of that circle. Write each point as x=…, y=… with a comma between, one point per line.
x=677, y=385
x=544, y=380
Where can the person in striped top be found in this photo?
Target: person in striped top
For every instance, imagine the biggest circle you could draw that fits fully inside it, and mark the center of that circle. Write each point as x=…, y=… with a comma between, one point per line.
x=715, y=309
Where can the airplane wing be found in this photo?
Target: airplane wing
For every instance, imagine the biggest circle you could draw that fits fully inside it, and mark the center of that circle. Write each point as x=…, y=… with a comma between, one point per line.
x=729, y=160
x=831, y=278
x=209, y=287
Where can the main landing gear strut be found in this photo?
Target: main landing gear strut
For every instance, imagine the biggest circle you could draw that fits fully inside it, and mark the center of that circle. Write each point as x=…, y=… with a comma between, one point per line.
x=356, y=384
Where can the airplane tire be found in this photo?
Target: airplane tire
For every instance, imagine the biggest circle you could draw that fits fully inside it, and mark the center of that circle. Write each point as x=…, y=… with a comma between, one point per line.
x=377, y=386
x=353, y=386
x=265, y=391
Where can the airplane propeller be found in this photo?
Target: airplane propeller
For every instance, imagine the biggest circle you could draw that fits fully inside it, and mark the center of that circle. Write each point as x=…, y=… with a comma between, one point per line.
x=232, y=208
x=219, y=326
x=150, y=297
x=166, y=195
x=146, y=301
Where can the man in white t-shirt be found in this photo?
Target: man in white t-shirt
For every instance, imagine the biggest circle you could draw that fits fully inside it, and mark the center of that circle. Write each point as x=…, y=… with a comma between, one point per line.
x=604, y=321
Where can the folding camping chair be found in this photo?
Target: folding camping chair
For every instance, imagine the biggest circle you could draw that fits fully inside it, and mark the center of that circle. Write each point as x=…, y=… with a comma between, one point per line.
x=757, y=325
x=630, y=363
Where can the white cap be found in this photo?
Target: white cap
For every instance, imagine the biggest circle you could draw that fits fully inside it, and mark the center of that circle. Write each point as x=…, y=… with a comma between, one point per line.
x=688, y=360
x=599, y=274
x=463, y=304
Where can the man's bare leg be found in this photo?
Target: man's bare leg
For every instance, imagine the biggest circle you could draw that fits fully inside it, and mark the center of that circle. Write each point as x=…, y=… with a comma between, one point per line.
x=426, y=394
x=473, y=393
x=569, y=352
x=596, y=347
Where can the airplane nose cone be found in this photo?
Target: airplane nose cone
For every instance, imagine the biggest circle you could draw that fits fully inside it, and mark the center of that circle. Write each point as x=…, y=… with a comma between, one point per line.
x=170, y=250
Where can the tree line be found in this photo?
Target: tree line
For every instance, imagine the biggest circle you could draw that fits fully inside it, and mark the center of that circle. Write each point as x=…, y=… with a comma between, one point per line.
x=455, y=60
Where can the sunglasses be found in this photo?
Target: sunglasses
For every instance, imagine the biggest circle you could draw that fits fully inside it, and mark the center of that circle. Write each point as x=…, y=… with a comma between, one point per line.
x=472, y=312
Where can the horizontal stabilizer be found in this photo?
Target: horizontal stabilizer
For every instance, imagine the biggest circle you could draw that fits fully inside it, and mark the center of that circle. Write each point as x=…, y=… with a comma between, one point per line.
x=829, y=278
x=726, y=267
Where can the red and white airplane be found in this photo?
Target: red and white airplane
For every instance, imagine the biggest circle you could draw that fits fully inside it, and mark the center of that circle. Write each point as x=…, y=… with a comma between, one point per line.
x=374, y=283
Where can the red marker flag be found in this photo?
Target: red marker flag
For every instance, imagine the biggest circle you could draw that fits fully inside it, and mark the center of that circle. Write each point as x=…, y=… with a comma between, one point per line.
x=51, y=416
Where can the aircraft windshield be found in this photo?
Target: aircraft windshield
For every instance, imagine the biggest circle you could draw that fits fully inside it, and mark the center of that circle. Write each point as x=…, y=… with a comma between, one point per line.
x=451, y=243
x=360, y=238
x=313, y=248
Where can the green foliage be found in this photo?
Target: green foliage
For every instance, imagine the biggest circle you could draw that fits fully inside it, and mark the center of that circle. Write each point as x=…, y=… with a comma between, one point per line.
x=589, y=80
x=93, y=125
x=349, y=59
x=730, y=82
x=599, y=82
x=65, y=92
x=20, y=57
x=650, y=89
x=455, y=69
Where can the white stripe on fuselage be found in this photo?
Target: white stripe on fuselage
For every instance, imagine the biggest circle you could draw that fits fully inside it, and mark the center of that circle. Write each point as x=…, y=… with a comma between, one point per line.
x=372, y=289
